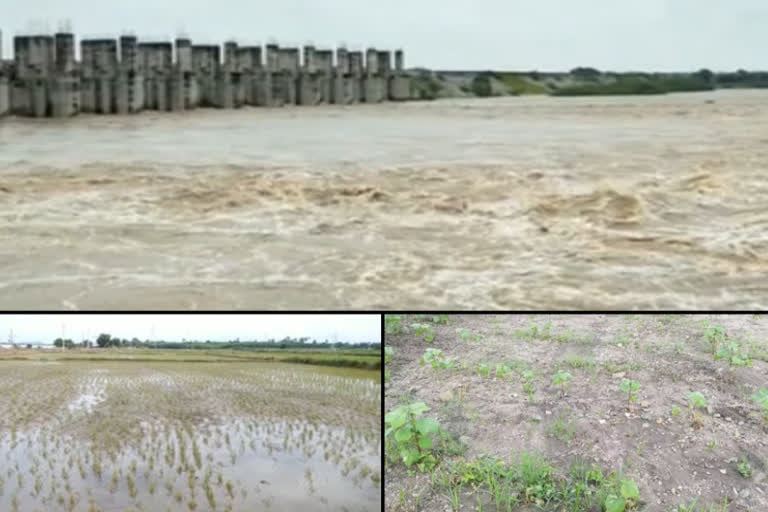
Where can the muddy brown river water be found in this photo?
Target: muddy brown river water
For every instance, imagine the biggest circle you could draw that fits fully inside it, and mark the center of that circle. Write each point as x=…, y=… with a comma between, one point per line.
x=624, y=202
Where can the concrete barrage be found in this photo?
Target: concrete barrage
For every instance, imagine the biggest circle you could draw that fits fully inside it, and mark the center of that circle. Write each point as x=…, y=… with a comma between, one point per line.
x=120, y=76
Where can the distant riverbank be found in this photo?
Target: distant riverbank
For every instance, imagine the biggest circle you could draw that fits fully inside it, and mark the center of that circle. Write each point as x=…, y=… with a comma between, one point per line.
x=577, y=82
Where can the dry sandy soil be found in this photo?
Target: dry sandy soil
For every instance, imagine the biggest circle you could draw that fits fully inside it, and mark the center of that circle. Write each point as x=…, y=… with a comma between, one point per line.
x=672, y=461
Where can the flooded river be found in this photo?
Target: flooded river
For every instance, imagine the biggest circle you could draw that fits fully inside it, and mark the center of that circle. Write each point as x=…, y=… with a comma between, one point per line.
x=623, y=202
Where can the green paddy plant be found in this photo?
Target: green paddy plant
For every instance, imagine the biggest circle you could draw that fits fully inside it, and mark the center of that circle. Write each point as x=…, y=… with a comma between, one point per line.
x=761, y=398
x=483, y=369
x=425, y=330
x=696, y=400
x=436, y=359
x=562, y=379
x=410, y=435
x=630, y=387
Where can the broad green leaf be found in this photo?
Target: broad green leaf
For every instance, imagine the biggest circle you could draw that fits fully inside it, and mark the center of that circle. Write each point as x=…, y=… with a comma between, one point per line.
x=624, y=386
x=396, y=418
x=629, y=489
x=418, y=408
x=403, y=435
x=634, y=385
x=425, y=442
x=410, y=457
x=427, y=426
x=614, y=504
x=697, y=399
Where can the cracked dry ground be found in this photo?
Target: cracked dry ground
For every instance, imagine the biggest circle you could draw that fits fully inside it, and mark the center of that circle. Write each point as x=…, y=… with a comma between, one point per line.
x=672, y=462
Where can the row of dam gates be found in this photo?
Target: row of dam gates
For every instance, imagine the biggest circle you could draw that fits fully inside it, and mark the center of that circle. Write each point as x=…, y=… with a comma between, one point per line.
x=121, y=76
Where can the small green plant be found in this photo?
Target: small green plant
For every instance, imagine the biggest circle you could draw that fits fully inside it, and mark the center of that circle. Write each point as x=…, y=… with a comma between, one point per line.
x=483, y=369
x=715, y=336
x=675, y=411
x=563, y=380
x=440, y=319
x=389, y=352
x=528, y=384
x=466, y=335
x=628, y=499
x=696, y=401
x=411, y=435
x=436, y=359
x=502, y=370
x=425, y=330
x=712, y=444
x=393, y=324
x=629, y=387
x=761, y=397
x=734, y=353
x=745, y=468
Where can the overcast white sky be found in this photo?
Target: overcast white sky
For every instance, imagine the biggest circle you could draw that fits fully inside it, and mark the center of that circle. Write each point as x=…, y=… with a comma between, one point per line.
x=46, y=328
x=445, y=34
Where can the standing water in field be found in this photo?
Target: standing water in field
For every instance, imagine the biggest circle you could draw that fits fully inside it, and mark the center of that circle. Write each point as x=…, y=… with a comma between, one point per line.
x=177, y=437
x=597, y=203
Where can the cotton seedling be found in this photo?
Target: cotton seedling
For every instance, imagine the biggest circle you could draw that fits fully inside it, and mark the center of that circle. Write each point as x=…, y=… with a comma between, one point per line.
x=629, y=387
x=440, y=319
x=696, y=400
x=425, y=330
x=563, y=380
x=735, y=354
x=483, y=369
x=628, y=499
x=761, y=397
x=528, y=384
x=715, y=336
x=502, y=370
x=411, y=435
x=436, y=359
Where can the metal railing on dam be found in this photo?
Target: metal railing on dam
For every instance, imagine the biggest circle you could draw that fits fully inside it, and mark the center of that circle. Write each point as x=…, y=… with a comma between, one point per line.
x=123, y=75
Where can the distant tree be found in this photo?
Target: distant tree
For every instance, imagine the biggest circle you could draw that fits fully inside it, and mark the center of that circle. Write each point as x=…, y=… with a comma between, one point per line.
x=705, y=74
x=58, y=342
x=104, y=340
x=29, y=345
x=69, y=344
x=586, y=73
x=534, y=75
x=282, y=345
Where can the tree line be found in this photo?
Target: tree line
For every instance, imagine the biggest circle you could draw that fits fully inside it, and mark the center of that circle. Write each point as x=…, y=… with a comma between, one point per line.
x=106, y=340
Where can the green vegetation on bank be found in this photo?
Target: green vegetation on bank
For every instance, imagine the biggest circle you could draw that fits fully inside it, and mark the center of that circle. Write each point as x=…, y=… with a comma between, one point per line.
x=288, y=350
x=582, y=81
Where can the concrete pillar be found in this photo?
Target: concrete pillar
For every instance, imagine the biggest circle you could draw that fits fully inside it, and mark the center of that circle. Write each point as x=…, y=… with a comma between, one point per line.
x=5, y=94
x=309, y=59
x=399, y=61
x=21, y=98
x=39, y=98
x=343, y=92
x=129, y=54
x=371, y=62
x=177, y=92
x=206, y=66
x=65, y=53
x=161, y=94
x=65, y=97
x=104, y=95
x=88, y=95
x=184, y=55
x=230, y=57
x=356, y=76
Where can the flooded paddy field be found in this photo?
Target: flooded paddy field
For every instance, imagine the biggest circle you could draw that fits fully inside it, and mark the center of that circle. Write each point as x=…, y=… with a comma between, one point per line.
x=554, y=413
x=505, y=203
x=168, y=436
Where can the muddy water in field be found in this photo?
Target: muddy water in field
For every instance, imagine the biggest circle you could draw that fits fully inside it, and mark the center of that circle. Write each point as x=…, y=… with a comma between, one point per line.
x=205, y=437
x=623, y=202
